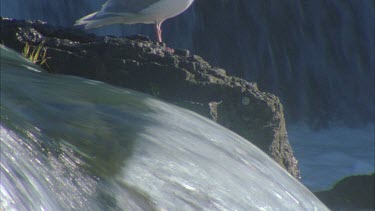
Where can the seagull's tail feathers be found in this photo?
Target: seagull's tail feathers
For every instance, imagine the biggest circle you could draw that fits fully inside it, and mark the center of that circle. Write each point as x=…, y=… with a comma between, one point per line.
x=97, y=19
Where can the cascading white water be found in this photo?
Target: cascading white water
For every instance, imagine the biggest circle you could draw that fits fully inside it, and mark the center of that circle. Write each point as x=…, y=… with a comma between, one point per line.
x=316, y=55
x=69, y=143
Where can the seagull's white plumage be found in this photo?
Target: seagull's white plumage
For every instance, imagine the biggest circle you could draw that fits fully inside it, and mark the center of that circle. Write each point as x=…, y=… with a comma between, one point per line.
x=135, y=11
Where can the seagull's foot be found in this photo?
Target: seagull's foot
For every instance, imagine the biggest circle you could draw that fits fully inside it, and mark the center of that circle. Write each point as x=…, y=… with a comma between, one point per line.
x=165, y=47
x=169, y=50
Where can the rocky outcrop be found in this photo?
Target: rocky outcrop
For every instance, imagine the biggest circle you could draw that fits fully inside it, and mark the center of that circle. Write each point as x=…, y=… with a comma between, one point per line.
x=176, y=76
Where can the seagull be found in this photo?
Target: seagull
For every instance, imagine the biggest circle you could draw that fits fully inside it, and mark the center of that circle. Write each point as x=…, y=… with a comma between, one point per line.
x=135, y=11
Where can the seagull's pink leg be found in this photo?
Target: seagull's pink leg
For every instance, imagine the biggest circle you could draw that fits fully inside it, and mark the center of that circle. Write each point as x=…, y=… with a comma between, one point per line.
x=158, y=31
x=158, y=35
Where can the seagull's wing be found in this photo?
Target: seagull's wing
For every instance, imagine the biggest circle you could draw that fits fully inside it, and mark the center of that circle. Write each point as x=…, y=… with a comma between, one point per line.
x=126, y=6
x=115, y=11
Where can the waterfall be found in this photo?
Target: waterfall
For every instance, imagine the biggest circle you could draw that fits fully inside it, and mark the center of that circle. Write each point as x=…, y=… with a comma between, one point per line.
x=69, y=143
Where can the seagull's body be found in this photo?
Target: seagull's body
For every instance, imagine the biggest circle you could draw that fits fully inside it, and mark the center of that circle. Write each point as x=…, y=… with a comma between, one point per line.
x=135, y=11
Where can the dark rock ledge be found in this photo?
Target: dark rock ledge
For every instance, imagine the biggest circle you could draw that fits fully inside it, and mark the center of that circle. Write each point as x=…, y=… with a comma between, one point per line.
x=180, y=78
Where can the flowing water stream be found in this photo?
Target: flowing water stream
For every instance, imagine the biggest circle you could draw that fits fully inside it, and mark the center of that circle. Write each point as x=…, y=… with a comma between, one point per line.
x=318, y=56
x=69, y=143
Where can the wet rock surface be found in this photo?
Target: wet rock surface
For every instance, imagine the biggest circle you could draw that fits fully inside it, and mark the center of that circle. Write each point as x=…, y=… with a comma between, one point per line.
x=175, y=76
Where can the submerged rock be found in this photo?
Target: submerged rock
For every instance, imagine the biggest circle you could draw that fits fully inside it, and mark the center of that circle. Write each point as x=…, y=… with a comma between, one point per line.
x=351, y=193
x=177, y=77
